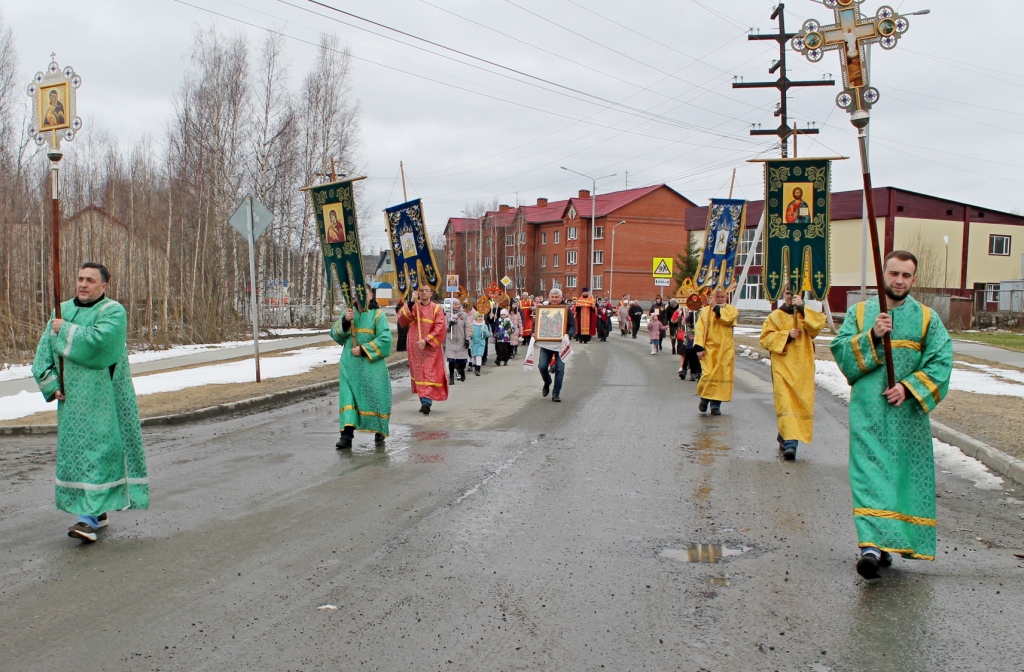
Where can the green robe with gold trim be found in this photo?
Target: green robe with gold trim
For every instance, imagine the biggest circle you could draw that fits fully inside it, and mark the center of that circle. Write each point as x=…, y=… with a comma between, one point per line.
x=364, y=386
x=892, y=464
x=101, y=465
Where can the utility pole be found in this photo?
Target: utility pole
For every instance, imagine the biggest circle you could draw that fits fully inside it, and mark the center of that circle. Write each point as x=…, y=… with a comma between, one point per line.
x=783, y=84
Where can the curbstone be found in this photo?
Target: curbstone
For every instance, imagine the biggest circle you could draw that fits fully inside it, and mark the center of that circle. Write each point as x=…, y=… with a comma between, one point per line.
x=999, y=462
x=209, y=411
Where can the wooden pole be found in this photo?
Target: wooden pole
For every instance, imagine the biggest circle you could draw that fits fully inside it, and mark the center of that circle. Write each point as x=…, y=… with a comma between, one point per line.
x=405, y=195
x=55, y=155
x=732, y=182
x=860, y=120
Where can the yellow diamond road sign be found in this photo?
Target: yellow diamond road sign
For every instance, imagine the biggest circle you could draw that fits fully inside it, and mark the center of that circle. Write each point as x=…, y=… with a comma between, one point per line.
x=662, y=267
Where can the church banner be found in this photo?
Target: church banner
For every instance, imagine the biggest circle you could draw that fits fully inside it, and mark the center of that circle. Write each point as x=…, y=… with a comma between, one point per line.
x=335, y=211
x=410, y=248
x=796, y=251
x=726, y=219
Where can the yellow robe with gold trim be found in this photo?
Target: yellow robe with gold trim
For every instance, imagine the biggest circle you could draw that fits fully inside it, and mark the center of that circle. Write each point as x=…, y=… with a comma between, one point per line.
x=793, y=369
x=714, y=334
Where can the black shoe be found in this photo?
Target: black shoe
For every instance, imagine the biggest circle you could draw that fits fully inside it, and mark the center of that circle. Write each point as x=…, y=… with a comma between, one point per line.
x=547, y=388
x=555, y=397
x=703, y=405
x=715, y=410
x=477, y=372
x=424, y=409
x=693, y=378
x=789, y=453
x=379, y=439
x=344, y=443
x=867, y=566
x=886, y=560
x=82, y=531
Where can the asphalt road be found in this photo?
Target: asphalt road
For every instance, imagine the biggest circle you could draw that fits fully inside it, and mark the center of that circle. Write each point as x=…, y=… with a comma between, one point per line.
x=504, y=532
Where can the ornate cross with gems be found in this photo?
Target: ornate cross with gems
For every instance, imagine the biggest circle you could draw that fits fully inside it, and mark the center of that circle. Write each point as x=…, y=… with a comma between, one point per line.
x=851, y=33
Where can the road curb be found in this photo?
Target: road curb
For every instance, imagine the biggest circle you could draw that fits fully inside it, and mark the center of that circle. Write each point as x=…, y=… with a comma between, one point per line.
x=208, y=412
x=1002, y=464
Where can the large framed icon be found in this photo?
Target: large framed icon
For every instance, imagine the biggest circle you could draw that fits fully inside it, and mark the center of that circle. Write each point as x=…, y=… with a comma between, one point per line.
x=552, y=323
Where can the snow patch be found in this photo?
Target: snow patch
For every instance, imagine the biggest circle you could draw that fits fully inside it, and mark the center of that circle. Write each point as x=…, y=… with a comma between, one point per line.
x=951, y=459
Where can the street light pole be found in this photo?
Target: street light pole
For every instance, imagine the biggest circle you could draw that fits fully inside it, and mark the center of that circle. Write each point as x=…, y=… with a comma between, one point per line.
x=593, y=213
x=611, y=277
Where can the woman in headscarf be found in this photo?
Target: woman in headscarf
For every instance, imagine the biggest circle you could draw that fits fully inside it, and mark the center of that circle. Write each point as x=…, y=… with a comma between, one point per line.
x=456, y=342
x=516, y=318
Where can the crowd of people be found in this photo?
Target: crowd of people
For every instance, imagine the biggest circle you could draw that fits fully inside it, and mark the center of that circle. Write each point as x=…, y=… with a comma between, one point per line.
x=898, y=362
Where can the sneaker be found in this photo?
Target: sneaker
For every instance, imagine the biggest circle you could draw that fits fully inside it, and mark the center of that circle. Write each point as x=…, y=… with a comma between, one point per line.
x=547, y=388
x=703, y=405
x=82, y=531
x=555, y=397
x=789, y=453
x=424, y=409
x=104, y=521
x=867, y=565
x=344, y=443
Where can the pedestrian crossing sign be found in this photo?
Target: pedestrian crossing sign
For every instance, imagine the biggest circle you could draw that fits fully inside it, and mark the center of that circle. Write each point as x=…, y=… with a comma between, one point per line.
x=662, y=267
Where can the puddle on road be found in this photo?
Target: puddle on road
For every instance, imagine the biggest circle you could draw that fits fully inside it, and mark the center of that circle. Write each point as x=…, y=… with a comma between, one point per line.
x=705, y=449
x=706, y=553
x=431, y=435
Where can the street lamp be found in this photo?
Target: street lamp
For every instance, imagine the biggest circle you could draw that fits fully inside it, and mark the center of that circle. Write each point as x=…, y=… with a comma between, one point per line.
x=611, y=278
x=593, y=211
x=945, y=273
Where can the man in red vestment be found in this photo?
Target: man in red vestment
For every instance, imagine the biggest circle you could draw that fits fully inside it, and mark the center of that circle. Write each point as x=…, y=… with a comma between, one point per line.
x=426, y=323
x=586, y=317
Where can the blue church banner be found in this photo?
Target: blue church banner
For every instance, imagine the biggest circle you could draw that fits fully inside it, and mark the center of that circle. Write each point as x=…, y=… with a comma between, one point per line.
x=726, y=219
x=410, y=248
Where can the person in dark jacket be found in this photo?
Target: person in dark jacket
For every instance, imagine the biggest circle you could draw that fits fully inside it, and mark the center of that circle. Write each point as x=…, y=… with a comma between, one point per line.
x=635, y=313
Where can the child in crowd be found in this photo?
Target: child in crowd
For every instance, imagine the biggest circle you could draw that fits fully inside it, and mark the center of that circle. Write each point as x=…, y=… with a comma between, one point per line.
x=655, y=327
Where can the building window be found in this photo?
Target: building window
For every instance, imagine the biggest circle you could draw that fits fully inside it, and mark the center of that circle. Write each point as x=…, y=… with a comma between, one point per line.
x=598, y=282
x=520, y=282
x=522, y=237
x=544, y=238
x=469, y=245
x=543, y=261
x=510, y=262
x=570, y=281
x=752, y=289
x=510, y=240
x=542, y=283
x=999, y=245
x=571, y=233
x=992, y=292
x=451, y=264
x=572, y=212
x=556, y=237
x=598, y=256
x=554, y=261
x=487, y=262
x=522, y=260
x=570, y=257
x=748, y=239
x=598, y=232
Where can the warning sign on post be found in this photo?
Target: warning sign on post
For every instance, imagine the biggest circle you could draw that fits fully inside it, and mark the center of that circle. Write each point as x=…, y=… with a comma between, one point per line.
x=662, y=267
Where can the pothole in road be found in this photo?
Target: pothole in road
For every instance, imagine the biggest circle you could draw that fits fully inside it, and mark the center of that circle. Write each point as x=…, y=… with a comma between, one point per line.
x=706, y=553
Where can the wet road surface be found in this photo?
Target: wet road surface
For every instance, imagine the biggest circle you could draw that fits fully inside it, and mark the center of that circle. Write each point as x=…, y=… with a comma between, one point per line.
x=617, y=530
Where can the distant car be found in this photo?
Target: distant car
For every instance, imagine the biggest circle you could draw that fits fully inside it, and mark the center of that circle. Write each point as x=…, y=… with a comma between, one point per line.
x=448, y=306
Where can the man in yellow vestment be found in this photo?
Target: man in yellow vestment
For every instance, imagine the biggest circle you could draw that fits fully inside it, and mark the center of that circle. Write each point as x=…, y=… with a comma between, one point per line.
x=716, y=351
x=788, y=334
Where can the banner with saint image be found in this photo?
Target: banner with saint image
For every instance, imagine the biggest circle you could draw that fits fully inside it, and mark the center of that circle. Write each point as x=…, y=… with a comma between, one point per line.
x=410, y=248
x=796, y=251
x=336, y=226
x=726, y=219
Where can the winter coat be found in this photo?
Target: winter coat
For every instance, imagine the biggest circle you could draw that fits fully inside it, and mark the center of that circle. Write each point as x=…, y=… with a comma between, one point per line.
x=478, y=340
x=456, y=341
x=517, y=327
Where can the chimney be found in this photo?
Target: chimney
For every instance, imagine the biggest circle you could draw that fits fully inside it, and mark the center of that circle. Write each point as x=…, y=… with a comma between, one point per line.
x=584, y=193
x=503, y=208
x=542, y=201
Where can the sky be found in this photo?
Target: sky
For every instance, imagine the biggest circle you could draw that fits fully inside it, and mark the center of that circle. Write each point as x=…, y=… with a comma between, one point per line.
x=639, y=90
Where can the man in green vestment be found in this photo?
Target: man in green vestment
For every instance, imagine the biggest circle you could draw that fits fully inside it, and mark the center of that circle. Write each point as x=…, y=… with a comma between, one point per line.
x=364, y=386
x=101, y=465
x=892, y=466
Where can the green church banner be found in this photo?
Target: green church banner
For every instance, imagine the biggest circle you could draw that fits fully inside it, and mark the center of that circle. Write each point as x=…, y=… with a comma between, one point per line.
x=797, y=201
x=335, y=212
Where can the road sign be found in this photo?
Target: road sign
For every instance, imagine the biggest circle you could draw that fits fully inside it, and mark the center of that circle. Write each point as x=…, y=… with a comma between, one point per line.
x=662, y=282
x=506, y=281
x=662, y=268
x=261, y=218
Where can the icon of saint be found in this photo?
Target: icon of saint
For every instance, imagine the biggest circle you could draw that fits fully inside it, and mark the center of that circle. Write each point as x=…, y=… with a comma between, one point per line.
x=54, y=115
x=335, y=229
x=798, y=212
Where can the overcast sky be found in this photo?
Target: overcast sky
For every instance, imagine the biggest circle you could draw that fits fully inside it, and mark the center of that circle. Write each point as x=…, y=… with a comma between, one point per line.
x=650, y=96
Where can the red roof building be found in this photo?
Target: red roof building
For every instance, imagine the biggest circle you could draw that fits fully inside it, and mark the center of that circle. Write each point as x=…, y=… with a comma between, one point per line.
x=558, y=243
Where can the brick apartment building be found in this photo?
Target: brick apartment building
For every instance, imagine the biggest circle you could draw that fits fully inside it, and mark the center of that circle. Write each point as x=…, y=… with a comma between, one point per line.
x=551, y=243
